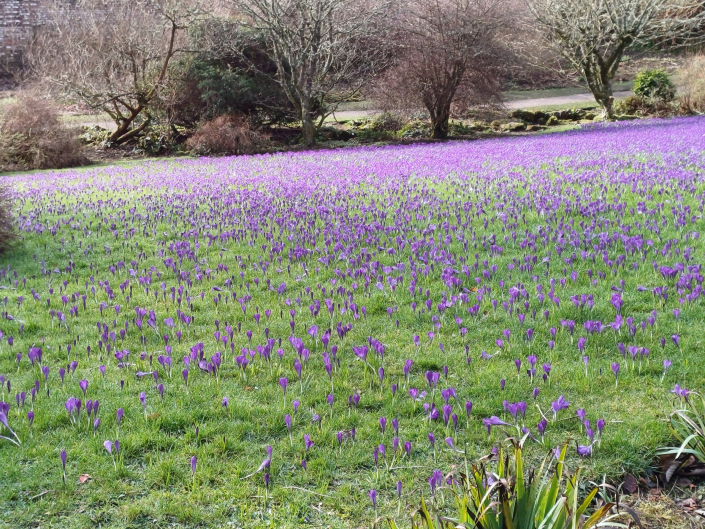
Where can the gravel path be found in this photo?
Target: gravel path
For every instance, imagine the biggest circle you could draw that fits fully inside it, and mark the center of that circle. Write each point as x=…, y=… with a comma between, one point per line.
x=511, y=105
x=561, y=100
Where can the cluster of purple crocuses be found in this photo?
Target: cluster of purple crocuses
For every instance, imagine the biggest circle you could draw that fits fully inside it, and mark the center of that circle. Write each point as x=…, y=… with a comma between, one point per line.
x=371, y=271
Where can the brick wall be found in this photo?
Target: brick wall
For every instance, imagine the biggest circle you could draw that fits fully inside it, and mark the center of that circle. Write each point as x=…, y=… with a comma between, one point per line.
x=19, y=20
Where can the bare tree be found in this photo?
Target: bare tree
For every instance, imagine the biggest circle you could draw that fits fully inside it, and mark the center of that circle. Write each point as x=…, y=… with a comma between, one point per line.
x=325, y=51
x=449, y=58
x=115, y=56
x=592, y=35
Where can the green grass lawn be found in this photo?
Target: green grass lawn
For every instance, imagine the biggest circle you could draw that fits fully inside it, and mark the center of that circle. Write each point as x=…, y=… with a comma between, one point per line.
x=85, y=229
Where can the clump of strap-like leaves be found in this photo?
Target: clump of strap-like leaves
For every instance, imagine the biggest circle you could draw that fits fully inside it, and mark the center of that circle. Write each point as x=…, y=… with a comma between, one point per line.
x=512, y=498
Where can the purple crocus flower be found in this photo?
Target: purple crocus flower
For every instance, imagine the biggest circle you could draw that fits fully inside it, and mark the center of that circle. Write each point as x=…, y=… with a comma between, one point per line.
x=407, y=368
x=581, y=343
x=680, y=392
x=63, y=465
x=584, y=451
x=600, y=426
x=339, y=436
x=493, y=421
x=194, y=461
x=287, y=421
x=382, y=450
x=541, y=427
x=308, y=444
x=666, y=365
x=432, y=378
x=558, y=405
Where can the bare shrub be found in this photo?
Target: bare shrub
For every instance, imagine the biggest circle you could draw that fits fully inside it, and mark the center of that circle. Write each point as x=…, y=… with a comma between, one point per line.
x=692, y=83
x=448, y=60
x=29, y=115
x=387, y=122
x=640, y=106
x=226, y=135
x=32, y=137
x=118, y=57
x=8, y=235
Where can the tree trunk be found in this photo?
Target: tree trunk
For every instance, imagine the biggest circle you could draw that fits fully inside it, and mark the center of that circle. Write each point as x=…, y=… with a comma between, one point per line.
x=438, y=101
x=606, y=102
x=601, y=89
x=134, y=132
x=124, y=126
x=308, y=131
x=121, y=130
x=308, y=127
x=599, y=76
x=440, y=126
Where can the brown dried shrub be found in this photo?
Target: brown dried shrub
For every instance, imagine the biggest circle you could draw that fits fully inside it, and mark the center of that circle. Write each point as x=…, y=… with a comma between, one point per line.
x=8, y=235
x=32, y=137
x=226, y=135
x=691, y=79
